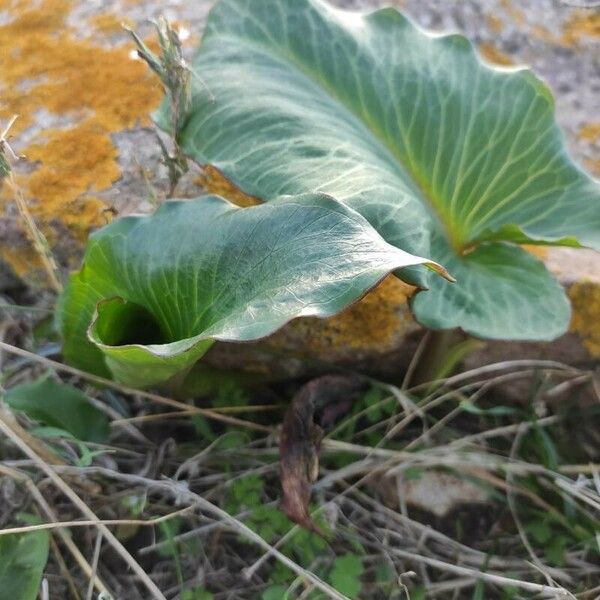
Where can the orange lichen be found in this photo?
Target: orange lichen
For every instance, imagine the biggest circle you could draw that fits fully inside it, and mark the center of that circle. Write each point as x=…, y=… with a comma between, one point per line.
x=68, y=76
x=374, y=324
x=594, y=166
x=23, y=260
x=214, y=182
x=83, y=160
x=493, y=55
x=108, y=23
x=585, y=300
x=539, y=251
x=544, y=34
x=516, y=14
x=590, y=132
x=50, y=70
x=494, y=23
x=581, y=24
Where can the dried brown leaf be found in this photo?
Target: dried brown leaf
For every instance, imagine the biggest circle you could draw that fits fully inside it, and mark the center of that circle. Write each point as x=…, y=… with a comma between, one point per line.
x=314, y=409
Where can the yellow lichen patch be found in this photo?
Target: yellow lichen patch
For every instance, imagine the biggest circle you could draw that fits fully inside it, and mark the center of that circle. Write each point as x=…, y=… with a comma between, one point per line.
x=374, y=324
x=590, y=132
x=544, y=34
x=594, y=166
x=22, y=260
x=516, y=14
x=585, y=300
x=493, y=55
x=108, y=23
x=539, y=251
x=581, y=25
x=214, y=182
x=50, y=70
x=67, y=76
x=73, y=161
x=494, y=23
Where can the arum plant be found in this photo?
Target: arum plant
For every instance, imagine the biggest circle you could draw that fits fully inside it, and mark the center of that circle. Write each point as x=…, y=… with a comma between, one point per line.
x=446, y=156
x=372, y=144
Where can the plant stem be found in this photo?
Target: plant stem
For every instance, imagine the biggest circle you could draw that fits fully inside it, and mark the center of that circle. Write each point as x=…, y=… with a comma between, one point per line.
x=434, y=354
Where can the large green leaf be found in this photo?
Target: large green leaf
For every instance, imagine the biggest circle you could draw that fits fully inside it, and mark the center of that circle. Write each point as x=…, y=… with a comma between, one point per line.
x=22, y=561
x=410, y=129
x=62, y=406
x=505, y=292
x=155, y=292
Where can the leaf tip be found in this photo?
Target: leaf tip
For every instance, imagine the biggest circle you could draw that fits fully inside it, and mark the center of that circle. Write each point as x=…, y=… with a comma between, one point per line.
x=440, y=270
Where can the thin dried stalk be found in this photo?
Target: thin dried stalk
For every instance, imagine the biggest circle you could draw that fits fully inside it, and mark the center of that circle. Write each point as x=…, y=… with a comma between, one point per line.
x=62, y=533
x=85, y=509
x=209, y=413
x=87, y=523
x=35, y=235
x=175, y=76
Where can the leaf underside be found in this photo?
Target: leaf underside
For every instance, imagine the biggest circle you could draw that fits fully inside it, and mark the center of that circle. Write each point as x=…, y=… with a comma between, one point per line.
x=442, y=153
x=155, y=292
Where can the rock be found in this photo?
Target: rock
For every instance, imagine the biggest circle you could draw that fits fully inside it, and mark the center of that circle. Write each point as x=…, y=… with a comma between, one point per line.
x=431, y=491
x=378, y=335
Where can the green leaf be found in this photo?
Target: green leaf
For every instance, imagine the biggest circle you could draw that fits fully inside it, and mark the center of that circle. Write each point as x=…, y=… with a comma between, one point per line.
x=502, y=292
x=415, y=132
x=60, y=406
x=22, y=561
x=345, y=575
x=196, y=593
x=275, y=592
x=555, y=550
x=349, y=564
x=479, y=591
x=541, y=531
x=418, y=593
x=155, y=292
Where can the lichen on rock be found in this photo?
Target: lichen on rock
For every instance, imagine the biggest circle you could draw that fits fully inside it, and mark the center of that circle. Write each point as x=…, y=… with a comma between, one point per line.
x=494, y=55
x=375, y=324
x=71, y=91
x=214, y=182
x=585, y=299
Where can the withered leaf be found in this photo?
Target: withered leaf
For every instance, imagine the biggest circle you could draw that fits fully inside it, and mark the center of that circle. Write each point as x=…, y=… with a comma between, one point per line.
x=314, y=409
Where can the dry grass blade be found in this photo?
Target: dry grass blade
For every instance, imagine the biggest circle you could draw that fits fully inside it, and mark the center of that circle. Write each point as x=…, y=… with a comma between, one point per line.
x=36, y=236
x=84, y=508
x=95, y=560
x=88, y=523
x=183, y=494
x=45, y=453
x=546, y=590
x=64, y=569
x=62, y=533
x=211, y=414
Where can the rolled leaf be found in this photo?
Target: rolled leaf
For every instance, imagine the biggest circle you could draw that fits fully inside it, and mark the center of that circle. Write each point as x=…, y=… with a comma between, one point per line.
x=155, y=292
